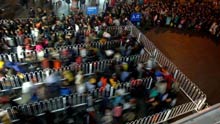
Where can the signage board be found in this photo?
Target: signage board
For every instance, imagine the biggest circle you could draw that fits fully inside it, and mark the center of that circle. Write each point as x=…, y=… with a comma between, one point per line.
x=136, y=17
x=92, y=10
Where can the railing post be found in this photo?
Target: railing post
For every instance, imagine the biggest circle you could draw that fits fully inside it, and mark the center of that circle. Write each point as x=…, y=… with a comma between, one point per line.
x=175, y=74
x=111, y=91
x=90, y=68
x=199, y=104
x=139, y=36
x=131, y=30
x=155, y=54
x=167, y=115
x=149, y=85
x=64, y=102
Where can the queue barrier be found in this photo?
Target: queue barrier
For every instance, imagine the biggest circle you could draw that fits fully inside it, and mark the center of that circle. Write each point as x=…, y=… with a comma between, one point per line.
x=15, y=82
x=33, y=56
x=18, y=40
x=26, y=56
x=166, y=115
x=190, y=89
x=75, y=100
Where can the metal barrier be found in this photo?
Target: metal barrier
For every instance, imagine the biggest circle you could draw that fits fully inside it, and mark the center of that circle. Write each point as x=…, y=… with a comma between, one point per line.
x=166, y=115
x=14, y=57
x=76, y=100
x=189, y=88
x=19, y=39
x=141, y=38
x=32, y=56
x=15, y=82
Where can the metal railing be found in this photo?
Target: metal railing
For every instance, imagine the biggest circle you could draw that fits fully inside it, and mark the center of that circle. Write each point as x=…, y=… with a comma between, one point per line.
x=75, y=100
x=166, y=115
x=15, y=82
x=13, y=57
x=190, y=89
x=19, y=39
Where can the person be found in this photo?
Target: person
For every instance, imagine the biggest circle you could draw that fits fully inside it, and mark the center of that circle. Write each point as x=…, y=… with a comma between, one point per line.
x=32, y=12
x=151, y=63
x=4, y=117
x=53, y=85
x=105, y=5
x=97, y=3
x=27, y=92
x=90, y=85
x=24, y=3
x=74, y=6
x=117, y=113
x=56, y=64
x=49, y=116
x=45, y=63
x=82, y=5
x=107, y=118
x=80, y=86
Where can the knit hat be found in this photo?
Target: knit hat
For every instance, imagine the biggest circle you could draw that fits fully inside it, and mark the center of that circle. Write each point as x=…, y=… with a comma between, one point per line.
x=92, y=80
x=27, y=87
x=39, y=48
x=109, y=52
x=2, y=64
x=125, y=66
x=68, y=75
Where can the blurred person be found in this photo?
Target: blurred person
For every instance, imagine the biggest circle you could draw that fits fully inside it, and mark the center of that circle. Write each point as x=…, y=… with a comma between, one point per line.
x=117, y=113
x=151, y=63
x=103, y=84
x=113, y=81
x=161, y=86
x=82, y=5
x=49, y=116
x=158, y=74
x=90, y=84
x=153, y=102
x=53, y=83
x=116, y=21
x=40, y=51
x=79, y=78
x=35, y=33
x=31, y=12
x=69, y=78
x=107, y=118
x=45, y=63
x=129, y=116
x=168, y=77
x=124, y=77
x=4, y=117
x=80, y=86
x=41, y=93
x=56, y=63
x=27, y=92
x=97, y=3
x=91, y=113
x=20, y=52
x=119, y=98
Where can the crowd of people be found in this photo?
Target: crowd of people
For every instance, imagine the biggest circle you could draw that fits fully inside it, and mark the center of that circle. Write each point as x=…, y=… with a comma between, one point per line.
x=161, y=95
x=45, y=30
x=44, y=33
x=198, y=17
